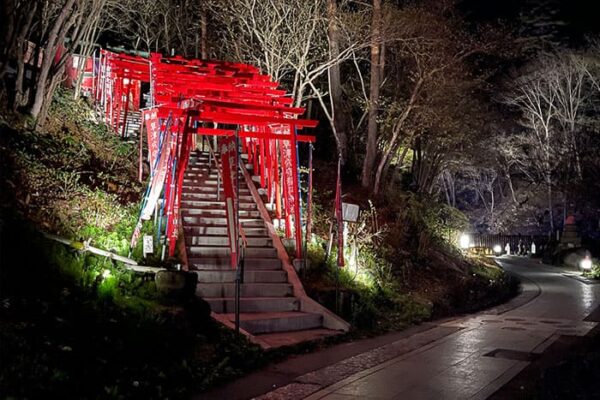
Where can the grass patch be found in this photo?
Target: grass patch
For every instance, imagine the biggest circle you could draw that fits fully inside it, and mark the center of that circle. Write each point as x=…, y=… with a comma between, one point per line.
x=75, y=325
x=404, y=267
x=69, y=328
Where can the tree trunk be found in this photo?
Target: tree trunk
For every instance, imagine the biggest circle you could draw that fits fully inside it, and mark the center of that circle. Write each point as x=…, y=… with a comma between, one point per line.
x=21, y=47
x=550, y=205
x=54, y=81
x=375, y=81
x=379, y=175
x=61, y=25
x=492, y=204
x=87, y=48
x=203, y=39
x=335, y=86
x=166, y=32
x=446, y=189
x=512, y=189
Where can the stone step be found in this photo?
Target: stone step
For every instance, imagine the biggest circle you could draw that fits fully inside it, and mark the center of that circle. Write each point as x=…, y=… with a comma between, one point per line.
x=205, y=181
x=201, y=175
x=221, y=263
x=208, y=196
x=204, y=170
x=220, y=221
x=215, y=212
x=212, y=190
x=256, y=323
x=250, y=276
x=215, y=251
x=280, y=339
x=210, y=205
x=246, y=289
x=224, y=241
x=201, y=187
x=200, y=167
x=222, y=230
x=254, y=304
x=201, y=170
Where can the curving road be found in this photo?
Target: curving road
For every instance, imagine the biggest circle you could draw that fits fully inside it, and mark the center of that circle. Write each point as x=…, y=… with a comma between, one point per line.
x=464, y=358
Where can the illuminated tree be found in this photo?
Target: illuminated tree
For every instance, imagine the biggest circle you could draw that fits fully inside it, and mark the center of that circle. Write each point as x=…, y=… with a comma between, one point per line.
x=551, y=97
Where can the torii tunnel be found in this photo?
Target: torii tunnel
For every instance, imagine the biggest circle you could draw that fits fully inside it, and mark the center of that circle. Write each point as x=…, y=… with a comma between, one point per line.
x=194, y=98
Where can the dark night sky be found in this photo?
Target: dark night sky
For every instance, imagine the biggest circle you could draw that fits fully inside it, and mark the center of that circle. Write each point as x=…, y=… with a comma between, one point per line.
x=564, y=21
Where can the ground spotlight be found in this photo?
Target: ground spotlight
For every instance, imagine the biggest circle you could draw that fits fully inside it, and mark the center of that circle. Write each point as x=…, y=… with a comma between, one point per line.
x=497, y=249
x=586, y=263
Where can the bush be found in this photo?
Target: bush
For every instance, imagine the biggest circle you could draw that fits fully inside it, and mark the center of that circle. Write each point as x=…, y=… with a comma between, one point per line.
x=594, y=272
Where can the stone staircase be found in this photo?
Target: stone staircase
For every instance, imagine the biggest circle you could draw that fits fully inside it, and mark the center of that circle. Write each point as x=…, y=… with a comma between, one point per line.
x=133, y=123
x=269, y=311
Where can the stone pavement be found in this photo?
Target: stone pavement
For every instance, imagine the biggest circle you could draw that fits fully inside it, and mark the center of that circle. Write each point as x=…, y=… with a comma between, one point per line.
x=464, y=358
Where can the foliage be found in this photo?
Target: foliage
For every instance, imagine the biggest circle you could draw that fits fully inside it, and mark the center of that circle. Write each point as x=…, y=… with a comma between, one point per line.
x=369, y=299
x=423, y=224
x=76, y=178
x=68, y=319
x=594, y=273
x=403, y=266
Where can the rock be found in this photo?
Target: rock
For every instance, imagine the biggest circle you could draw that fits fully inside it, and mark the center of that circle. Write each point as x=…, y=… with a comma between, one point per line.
x=301, y=264
x=573, y=258
x=176, y=283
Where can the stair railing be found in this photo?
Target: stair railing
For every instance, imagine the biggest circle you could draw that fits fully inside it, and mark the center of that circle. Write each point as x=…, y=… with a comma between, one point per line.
x=213, y=157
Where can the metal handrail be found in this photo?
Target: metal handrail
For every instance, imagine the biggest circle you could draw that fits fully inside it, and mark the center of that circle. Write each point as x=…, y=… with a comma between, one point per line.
x=212, y=157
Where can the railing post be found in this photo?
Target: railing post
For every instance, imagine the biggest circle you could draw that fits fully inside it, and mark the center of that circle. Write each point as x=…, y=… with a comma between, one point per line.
x=239, y=273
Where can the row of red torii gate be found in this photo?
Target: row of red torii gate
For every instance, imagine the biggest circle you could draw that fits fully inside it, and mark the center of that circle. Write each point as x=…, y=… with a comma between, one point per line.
x=188, y=99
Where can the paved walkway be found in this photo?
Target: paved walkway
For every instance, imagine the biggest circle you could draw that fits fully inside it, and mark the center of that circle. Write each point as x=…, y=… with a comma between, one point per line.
x=464, y=358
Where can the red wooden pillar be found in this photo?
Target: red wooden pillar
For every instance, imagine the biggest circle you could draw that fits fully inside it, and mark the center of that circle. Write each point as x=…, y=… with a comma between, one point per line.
x=126, y=112
x=296, y=193
x=276, y=181
x=263, y=164
x=286, y=194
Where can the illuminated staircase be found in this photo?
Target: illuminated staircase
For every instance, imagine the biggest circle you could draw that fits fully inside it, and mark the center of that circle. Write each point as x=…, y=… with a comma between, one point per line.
x=132, y=125
x=270, y=312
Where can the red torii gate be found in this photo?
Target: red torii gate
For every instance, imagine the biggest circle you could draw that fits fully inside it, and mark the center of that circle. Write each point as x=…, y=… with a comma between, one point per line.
x=216, y=98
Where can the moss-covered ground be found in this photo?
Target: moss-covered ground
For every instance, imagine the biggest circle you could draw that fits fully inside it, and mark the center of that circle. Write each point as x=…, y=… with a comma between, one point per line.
x=75, y=325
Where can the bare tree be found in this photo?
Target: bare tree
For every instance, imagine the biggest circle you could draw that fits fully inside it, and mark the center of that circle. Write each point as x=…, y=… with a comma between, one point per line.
x=138, y=21
x=373, y=106
x=297, y=43
x=551, y=99
x=434, y=51
x=534, y=97
x=98, y=11
x=483, y=181
x=337, y=113
x=44, y=83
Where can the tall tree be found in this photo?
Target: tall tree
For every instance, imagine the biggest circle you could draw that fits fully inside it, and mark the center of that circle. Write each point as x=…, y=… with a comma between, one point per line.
x=338, y=113
x=375, y=81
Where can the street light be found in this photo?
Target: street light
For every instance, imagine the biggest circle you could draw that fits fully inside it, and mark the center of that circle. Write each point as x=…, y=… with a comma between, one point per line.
x=497, y=249
x=465, y=241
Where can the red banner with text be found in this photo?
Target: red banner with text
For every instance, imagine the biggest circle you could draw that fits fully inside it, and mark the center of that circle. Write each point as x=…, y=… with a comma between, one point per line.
x=151, y=121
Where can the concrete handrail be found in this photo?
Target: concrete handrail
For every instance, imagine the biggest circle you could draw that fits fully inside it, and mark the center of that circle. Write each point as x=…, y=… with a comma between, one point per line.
x=330, y=320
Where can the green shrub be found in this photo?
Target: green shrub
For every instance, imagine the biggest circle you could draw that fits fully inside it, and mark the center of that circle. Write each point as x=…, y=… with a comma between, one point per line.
x=594, y=272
